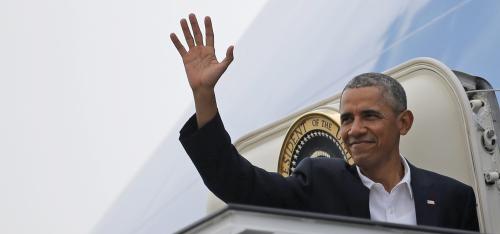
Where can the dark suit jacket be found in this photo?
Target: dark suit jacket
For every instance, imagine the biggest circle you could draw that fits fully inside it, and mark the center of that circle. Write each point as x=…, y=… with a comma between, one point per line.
x=323, y=185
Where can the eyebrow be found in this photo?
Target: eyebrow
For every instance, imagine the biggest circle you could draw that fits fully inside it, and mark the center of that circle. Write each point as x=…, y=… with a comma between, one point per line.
x=372, y=112
x=363, y=112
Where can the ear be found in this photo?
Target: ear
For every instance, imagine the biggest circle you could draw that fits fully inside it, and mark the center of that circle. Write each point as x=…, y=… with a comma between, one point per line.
x=405, y=122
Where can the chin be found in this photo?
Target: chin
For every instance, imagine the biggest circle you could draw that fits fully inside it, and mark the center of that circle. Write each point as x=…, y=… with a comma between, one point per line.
x=361, y=159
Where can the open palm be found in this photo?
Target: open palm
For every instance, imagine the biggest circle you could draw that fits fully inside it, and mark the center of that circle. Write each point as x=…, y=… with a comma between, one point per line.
x=202, y=68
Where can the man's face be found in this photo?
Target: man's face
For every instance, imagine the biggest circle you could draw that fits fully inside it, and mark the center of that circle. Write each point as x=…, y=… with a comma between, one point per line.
x=369, y=126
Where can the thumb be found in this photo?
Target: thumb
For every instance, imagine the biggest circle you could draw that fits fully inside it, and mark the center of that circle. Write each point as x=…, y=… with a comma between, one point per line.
x=229, y=56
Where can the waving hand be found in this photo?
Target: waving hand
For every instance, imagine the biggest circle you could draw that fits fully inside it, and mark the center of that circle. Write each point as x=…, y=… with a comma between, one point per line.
x=203, y=70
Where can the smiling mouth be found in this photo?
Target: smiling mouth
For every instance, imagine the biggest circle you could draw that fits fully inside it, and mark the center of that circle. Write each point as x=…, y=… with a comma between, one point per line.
x=360, y=142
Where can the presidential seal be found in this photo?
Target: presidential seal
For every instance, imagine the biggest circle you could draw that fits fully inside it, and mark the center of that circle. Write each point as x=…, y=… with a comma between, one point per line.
x=314, y=134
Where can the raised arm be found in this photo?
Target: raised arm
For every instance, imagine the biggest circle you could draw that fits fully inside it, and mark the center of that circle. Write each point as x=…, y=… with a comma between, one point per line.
x=203, y=70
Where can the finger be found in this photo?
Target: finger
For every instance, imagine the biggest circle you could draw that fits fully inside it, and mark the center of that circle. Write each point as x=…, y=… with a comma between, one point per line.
x=229, y=56
x=178, y=45
x=209, y=31
x=198, y=38
x=187, y=33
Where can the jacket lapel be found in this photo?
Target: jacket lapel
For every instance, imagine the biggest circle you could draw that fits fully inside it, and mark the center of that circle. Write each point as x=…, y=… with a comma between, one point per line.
x=357, y=195
x=424, y=197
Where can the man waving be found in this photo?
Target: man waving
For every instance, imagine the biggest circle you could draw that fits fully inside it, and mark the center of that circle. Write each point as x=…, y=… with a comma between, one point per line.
x=382, y=185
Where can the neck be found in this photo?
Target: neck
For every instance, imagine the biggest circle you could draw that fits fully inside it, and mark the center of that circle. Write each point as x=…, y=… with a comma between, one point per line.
x=388, y=173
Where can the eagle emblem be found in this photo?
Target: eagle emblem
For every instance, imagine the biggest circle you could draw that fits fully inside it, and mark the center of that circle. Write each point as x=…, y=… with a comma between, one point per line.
x=314, y=134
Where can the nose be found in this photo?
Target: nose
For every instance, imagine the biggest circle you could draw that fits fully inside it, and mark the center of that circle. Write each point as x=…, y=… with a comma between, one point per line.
x=357, y=128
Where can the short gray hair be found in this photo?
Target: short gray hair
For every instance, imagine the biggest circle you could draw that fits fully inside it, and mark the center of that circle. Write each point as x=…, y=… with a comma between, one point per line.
x=392, y=90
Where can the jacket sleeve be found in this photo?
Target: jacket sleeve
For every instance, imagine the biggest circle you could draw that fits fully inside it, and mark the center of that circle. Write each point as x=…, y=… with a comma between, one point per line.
x=235, y=180
x=469, y=218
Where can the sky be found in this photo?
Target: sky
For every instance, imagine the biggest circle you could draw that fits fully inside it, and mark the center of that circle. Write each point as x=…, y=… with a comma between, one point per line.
x=88, y=90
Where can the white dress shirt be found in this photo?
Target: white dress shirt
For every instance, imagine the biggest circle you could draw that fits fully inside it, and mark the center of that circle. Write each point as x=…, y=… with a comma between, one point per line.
x=396, y=206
